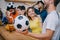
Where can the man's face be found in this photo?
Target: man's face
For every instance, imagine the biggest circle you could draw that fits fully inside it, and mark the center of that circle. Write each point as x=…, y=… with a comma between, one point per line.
x=23, y=11
x=40, y=5
x=47, y=2
x=11, y=10
x=19, y=11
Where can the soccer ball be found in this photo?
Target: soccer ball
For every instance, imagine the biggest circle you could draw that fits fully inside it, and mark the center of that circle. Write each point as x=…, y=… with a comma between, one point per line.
x=11, y=3
x=21, y=23
x=10, y=6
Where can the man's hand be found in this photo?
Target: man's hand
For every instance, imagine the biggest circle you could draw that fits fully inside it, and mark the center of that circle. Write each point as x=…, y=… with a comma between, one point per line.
x=25, y=32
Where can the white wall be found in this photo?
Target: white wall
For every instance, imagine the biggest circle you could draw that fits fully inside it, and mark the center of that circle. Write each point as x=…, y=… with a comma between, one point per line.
x=3, y=5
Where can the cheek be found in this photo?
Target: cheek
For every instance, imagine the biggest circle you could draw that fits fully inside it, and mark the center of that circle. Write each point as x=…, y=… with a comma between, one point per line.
x=23, y=11
x=29, y=14
x=19, y=11
x=38, y=6
x=10, y=10
x=47, y=1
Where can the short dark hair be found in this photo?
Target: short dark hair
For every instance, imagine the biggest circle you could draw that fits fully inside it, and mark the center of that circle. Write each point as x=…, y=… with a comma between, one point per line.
x=21, y=7
x=56, y=2
x=40, y=2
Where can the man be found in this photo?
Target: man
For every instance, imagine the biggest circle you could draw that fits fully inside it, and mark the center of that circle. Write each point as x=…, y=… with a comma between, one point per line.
x=3, y=19
x=11, y=13
x=43, y=12
x=21, y=10
x=51, y=23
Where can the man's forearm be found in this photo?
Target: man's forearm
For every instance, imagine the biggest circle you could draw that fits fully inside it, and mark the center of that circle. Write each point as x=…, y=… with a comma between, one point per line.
x=39, y=36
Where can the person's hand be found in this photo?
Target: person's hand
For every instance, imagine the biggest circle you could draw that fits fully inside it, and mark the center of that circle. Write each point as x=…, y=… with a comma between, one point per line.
x=25, y=32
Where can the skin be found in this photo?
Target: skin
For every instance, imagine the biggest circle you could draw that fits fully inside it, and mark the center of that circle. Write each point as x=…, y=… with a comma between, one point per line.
x=19, y=11
x=23, y=11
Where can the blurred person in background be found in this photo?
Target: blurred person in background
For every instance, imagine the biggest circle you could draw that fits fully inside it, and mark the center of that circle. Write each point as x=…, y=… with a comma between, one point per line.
x=21, y=10
x=3, y=19
x=43, y=12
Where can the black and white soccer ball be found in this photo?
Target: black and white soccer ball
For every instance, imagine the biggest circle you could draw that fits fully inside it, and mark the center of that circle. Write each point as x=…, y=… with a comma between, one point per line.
x=21, y=23
x=10, y=4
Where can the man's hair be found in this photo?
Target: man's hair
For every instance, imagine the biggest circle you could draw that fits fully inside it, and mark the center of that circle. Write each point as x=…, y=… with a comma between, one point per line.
x=21, y=7
x=40, y=2
x=56, y=2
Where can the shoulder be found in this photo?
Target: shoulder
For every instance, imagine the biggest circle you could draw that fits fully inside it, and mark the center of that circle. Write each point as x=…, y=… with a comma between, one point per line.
x=52, y=17
x=45, y=10
x=38, y=19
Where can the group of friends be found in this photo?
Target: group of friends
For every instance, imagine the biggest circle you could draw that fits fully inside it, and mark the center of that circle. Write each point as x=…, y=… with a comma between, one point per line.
x=43, y=21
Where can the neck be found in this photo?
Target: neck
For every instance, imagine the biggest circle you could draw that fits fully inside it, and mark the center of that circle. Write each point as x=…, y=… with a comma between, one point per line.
x=33, y=17
x=41, y=9
x=51, y=8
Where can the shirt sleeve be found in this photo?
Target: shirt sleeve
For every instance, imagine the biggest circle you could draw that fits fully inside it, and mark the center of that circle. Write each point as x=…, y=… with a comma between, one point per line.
x=51, y=22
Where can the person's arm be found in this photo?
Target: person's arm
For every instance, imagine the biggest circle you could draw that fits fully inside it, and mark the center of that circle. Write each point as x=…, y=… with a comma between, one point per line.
x=23, y=32
x=51, y=23
x=46, y=35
